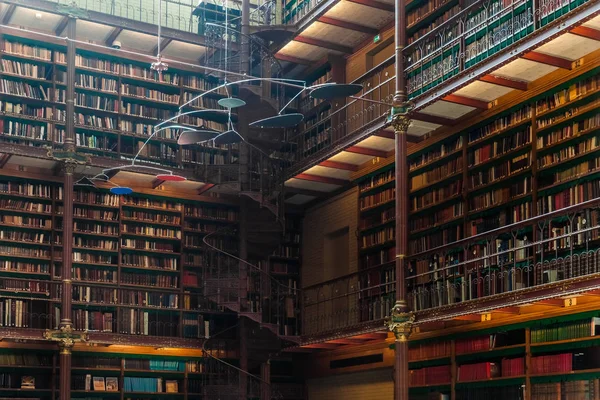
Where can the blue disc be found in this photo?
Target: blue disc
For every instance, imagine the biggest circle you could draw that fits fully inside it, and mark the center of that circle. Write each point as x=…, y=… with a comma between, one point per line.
x=231, y=102
x=121, y=190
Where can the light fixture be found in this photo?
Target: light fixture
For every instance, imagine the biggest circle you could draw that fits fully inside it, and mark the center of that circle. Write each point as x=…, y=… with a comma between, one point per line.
x=171, y=178
x=228, y=137
x=231, y=102
x=193, y=137
x=121, y=190
x=279, y=121
x=38, y=15
x=335, y=90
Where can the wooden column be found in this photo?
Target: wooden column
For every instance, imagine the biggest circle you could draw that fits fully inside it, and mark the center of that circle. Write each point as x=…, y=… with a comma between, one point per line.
x=67, y=251
x=401, y=319
x=265, y=385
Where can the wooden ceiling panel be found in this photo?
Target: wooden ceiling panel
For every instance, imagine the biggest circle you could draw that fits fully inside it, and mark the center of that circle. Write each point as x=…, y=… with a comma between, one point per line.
x=483, y=91
x=360, y=14
x=569, y=46
x=447, y=109
x=525, y=70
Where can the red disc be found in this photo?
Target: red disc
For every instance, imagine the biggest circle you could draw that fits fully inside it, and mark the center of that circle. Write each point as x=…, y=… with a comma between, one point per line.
x=171, y=178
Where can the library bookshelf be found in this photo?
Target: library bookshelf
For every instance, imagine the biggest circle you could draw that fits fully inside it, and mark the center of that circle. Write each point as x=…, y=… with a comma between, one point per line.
x=536, y=157
x=118, y=102
x=549, y=358
x=134, y=374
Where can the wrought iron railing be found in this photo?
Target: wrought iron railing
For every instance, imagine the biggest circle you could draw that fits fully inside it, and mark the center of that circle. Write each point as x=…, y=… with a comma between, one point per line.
x=475, y=34
x=176, y=14
x=327, y=125
x=525, y=256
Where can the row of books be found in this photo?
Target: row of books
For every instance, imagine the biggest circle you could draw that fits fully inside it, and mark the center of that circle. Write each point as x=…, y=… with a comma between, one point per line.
x=500, y=170
x=500, y=123
x=566, y=132
x=566, y=174
x=144, y=261
x=92, y=321
x=478, y=371
x=435, y=153
x=435, y=174
x=24, y=130
x=150, y=385
x=155, y=365
x=377, y=258
x=148, y=216
x=19, y=266
x=506, y=216
x=499, y=147
x=567, y=390
x=94, y=274
x=159, y=232
x=563, y=96
x=147, y=93
x=566, y=331
x=24, y=251
x=19, y=88
x=430, y=376
x=436, y=195
x=370, y=220
x=438, y=217
x=29, y=359
x=24, y=69
x=374, y=200
x=565, y=153
x=423, y=351
x=24, y=205
x=23, y=285
x=26, y=189
x=552, y=363
x=85, y=242
x=207, y=157
x=166, y=281
x=435, y=239
x=19, y=48
x=24, y=236
x=91, y=227
x=501, y=195
x=14, y=313
x=89, y=258
x=376, y=180
x=372, y=239
x=26, y=109
x=428, y=7
x=575, y=194
x=93, y=82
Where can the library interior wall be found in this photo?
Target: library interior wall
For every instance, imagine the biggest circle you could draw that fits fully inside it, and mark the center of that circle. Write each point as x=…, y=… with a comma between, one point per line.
x=331, y=216
x=368, y=385
x=370, y=55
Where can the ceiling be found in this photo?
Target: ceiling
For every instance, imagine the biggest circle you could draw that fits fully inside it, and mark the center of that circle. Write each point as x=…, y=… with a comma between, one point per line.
x=516, y=76
x=99, y=34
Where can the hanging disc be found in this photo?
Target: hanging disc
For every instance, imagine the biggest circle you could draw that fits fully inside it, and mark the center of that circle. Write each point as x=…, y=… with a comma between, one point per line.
x=336, y=90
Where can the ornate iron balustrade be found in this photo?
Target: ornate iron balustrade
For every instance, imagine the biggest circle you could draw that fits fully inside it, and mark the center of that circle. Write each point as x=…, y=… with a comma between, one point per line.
x=474, y=34
x=343, y=121
x=177, y=14
x=526, y=256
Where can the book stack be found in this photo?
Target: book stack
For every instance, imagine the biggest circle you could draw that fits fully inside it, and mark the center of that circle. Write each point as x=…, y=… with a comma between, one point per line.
x=479, y=371
x=430, y=376
x=430, y=350
x=566, y=331
x=513, y=366
x=145, y=385
x=552, y=363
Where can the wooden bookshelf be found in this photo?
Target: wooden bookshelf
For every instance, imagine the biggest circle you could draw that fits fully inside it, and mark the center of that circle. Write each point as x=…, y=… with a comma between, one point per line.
x=478, y=179
x=118, y=101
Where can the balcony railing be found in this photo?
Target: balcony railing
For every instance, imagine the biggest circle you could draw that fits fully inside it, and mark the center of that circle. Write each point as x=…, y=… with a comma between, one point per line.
x=328, y=125
x=176, y=14
x=474, y=34
x=524, y=257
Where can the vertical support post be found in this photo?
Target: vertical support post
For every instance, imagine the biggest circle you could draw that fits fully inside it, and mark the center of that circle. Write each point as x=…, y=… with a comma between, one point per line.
x=67, y=256
x=245, y=42
x=243, y=382
x=265, y=374
x=401, y=320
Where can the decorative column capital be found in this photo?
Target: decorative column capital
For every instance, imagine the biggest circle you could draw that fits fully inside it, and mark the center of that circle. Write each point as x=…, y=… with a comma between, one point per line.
x=400, y=321
x=65, y=337
x=399, y=116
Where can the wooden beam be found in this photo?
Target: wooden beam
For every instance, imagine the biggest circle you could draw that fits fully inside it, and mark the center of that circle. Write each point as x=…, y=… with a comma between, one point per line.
x=322, y=179
x=385, y=134
x=323, y=44
x=508, y=310
x=551, y=302
x=374, y=4
x=163, y=45
x=62, y=24
x=348, y=25
x=586, y=32
x=470, y=317
x=548, y=60
x=509, y=83
x=339, y=165
x=466, y=101
x=367, y=152
x=306, y=192
x=113, y=35
x=433, y=119
x=10, y=11
x=324, y=346
x=206, y=188
x=371, y=336
x=295, y=60
x=346, y=341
